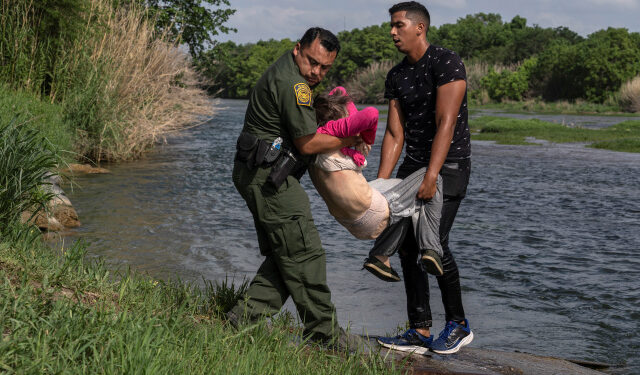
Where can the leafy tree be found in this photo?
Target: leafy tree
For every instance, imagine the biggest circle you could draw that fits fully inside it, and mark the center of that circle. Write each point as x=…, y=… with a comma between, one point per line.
x=360, y=48
x=234, y=69
x=608, y=59
x=487, y=38
x=593, y=69
x=194, y=22
x=472, y=34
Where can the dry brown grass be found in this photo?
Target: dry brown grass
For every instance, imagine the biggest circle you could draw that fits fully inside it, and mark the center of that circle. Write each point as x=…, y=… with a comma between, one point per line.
x=150, y=88
x=630, y=95
x=475, y=71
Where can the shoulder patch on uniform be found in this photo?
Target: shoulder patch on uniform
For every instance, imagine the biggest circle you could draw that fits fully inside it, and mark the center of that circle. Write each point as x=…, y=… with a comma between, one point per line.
x=303, y=94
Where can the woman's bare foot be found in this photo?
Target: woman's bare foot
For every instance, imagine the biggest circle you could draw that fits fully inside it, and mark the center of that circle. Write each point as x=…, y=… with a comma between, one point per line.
x=383, y=259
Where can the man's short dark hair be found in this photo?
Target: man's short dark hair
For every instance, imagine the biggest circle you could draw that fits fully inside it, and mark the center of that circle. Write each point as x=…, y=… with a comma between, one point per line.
x=415, y=11
x=327, y=39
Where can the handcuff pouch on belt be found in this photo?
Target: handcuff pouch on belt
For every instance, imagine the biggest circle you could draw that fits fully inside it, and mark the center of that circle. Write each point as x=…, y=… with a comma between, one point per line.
x=256, y=152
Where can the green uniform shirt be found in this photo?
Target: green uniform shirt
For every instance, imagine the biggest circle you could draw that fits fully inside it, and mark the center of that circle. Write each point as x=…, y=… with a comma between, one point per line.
x=280, y=104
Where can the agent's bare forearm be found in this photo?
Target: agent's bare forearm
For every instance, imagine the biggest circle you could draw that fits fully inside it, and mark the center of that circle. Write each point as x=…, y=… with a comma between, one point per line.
x=319, y=143
x=393, y=140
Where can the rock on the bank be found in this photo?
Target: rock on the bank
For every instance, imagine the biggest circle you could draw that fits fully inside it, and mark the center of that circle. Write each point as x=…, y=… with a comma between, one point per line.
x=85, y=169
x=61, y=213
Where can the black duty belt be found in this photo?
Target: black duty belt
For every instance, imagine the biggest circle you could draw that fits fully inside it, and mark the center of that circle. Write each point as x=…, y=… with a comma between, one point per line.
x=256, y=152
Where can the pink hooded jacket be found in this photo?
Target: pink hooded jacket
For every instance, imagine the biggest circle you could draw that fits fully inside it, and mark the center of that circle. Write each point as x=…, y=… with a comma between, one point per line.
x=363, y=122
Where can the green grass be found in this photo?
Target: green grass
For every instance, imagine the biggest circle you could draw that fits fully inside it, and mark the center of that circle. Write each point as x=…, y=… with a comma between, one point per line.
x=563, y=107
x=63, y=314
x=25, y=160
x=36, y=114
x=624, y=136
x=625, y=145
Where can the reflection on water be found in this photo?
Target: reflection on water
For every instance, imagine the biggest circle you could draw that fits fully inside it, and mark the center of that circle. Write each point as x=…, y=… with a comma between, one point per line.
x=547, y=239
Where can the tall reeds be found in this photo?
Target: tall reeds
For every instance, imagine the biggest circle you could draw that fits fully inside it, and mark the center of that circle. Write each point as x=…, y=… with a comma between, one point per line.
x=630, y=95
x=367, y=85
x=22, y=52
x=138, y=85
x=122, y=86
x=475, y=71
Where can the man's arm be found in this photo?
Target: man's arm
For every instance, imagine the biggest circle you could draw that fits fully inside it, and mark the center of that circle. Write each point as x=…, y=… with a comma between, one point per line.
x=319, y=143
x=447, y=108
x=393, y=140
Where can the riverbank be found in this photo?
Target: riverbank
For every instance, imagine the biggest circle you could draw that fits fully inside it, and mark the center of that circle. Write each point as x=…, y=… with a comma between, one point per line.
x=64, y=312
x=559, y=107
x=624, y=136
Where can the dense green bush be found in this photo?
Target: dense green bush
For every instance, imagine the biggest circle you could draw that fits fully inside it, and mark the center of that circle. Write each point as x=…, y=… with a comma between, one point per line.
x=608, y=58
x=508, y=84
x=47, y=118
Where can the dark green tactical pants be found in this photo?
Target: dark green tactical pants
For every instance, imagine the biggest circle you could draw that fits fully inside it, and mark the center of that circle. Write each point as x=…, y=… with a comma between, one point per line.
x=295, y=263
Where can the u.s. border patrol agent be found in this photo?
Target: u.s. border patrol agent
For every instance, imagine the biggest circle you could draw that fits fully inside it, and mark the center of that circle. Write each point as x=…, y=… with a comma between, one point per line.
x=266, y=173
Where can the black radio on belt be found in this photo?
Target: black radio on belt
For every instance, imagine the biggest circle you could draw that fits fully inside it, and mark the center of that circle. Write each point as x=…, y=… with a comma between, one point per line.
x=259, y=153
x=282, y=168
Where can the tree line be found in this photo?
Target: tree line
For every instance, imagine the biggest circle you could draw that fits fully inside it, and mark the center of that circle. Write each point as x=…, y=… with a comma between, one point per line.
x=504, y=59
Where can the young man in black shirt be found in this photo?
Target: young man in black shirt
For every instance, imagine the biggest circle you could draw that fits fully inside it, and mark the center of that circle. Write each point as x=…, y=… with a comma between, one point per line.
x=428, y=113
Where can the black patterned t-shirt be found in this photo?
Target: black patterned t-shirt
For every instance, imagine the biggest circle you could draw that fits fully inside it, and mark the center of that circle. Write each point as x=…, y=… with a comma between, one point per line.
x=415, y=87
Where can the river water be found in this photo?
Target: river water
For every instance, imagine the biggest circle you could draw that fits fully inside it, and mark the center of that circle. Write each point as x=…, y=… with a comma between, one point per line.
x=547, y=240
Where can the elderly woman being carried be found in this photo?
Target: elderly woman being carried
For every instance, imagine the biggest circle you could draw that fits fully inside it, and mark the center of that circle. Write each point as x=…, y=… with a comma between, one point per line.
x=367, y=209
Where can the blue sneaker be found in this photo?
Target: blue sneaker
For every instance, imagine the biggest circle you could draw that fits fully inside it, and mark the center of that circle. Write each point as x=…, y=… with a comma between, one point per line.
x=410, y=341
x=453, y=337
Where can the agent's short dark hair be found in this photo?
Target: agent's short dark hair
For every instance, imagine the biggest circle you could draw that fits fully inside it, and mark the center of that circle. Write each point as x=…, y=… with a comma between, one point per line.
x=330, y=107
x=415, y=11
x=327, y=39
